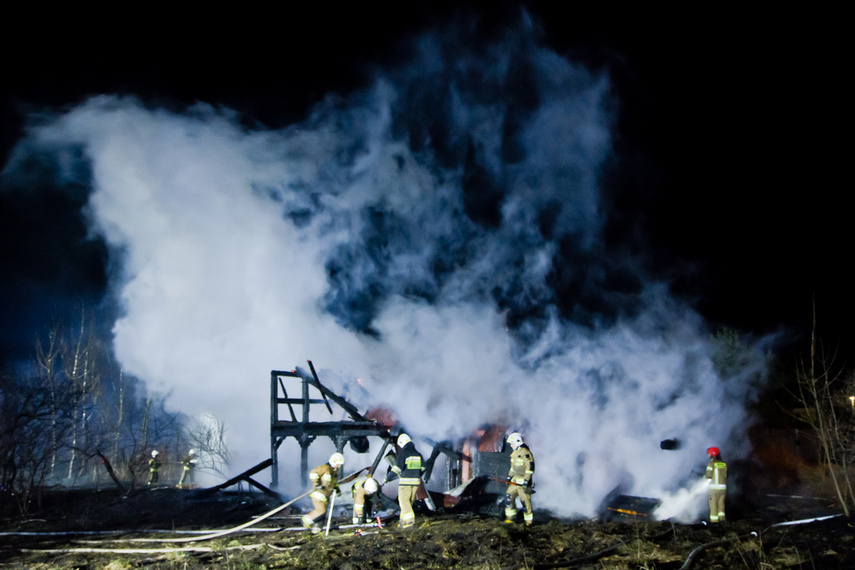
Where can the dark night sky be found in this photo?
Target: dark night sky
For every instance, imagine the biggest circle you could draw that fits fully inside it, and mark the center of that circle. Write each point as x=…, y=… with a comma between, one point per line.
x=731, y=132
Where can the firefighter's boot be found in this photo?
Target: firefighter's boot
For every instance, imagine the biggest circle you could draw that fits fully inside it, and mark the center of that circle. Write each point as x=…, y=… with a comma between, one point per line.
x=309, y=523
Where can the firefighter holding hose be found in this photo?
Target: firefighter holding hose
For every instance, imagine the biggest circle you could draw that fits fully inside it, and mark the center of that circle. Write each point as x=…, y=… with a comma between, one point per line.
x=520, y=482
x=717, y=474
x=324, y=479
x=187, y=466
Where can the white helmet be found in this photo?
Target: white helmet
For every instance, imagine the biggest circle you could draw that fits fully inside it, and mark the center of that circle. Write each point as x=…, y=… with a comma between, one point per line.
x=403, y=440
x=336, y=459
x=515, y=440
x=192, y=452
x=154, y=453
x=370, y=486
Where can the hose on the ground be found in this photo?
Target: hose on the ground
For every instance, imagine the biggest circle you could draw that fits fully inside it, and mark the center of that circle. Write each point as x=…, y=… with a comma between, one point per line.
x=172, y=540
x=210, y=536
x=692, y=554
x=218, y=534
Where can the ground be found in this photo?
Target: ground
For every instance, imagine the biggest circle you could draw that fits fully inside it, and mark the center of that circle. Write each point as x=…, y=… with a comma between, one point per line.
x=97, y=529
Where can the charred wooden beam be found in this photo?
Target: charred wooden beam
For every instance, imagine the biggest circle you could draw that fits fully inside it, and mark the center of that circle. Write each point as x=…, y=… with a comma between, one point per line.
x=356, y=429
x=262, y=488
x=344, y=430
x=245, y=476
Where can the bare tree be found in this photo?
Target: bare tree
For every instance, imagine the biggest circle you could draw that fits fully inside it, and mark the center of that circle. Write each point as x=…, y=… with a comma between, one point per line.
x=75, y=412
x=83, y=372
x=207, y=435
x=822, y=392
x=49, y=359
x=30, y=426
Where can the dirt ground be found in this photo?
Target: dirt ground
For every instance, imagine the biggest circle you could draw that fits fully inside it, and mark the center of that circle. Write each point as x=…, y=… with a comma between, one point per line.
x=153, y=528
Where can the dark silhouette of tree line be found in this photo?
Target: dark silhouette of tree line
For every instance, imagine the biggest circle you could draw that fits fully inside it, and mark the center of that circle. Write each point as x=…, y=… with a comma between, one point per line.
x=71, y=417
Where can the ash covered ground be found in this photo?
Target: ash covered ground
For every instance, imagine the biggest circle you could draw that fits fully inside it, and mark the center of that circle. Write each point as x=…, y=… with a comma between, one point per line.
x=101, y=529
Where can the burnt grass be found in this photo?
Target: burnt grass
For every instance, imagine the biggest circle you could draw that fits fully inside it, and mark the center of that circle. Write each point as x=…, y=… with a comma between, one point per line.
x=99, y=529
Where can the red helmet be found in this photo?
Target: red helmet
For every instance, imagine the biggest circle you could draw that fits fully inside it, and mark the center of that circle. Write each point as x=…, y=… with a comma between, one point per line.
x=712, y=451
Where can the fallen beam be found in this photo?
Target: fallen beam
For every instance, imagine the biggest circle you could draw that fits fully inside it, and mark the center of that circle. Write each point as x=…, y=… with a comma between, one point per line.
x=245, y=476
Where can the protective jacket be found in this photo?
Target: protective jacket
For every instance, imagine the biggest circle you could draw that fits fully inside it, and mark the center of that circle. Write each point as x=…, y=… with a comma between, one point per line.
x=409, y=466
x=324, y=479
x=522, y=466
x=717, y=473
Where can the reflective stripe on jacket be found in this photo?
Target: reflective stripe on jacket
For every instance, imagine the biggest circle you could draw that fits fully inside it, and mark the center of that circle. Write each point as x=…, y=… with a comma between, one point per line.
x=409, y=465
x=324, y=478
x=522, y=465
x=717, y=473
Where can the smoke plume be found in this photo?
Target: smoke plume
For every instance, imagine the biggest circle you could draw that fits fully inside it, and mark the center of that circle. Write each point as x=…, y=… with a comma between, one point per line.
x=438, y=235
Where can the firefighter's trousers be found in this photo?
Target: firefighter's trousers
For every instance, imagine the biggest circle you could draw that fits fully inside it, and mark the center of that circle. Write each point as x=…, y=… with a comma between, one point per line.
x=319, y=502
x=522, y=492
x=717, y=496
x=406, y=496
x=361, y=506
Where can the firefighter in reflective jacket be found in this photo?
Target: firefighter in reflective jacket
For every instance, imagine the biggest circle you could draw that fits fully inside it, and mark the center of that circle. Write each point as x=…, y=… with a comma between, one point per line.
x=188, y=463
x=364, y=490
x=717, y=474
x=520, y=482
x=409, y=468
x=154, y=468
x=324, y=479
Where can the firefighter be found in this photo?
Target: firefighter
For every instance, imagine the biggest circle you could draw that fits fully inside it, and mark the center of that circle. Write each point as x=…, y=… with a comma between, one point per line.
x=717, y=474
x=520, y=482
x=364, y=490
x=324, y=481
x=188, y=463
x=153, y=468
x=409, y=468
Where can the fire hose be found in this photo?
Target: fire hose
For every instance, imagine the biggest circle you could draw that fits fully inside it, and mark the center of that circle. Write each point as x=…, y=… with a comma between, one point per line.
x=247, y=524
x=183, y=540
x=176, y=540
x=209, y=536
x=755, y=534
x=243, y=526
x=530, y=488
x=688, y=562
x=227, y=531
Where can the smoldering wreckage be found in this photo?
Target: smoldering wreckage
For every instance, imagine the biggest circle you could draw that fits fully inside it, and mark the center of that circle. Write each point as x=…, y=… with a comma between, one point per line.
x=464, y=526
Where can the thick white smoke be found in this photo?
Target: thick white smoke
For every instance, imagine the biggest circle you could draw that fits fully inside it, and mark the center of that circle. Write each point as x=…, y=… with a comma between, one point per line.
x=407, y=236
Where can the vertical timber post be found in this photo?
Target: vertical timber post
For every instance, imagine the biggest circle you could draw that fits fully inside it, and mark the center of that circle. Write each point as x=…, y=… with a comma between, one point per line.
x=304, y=461
x=304, y=438
x=274, y=449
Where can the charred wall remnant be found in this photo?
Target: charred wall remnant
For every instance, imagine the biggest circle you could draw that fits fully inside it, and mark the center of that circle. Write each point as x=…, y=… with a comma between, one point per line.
x=297, y=422
x=481, y=459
